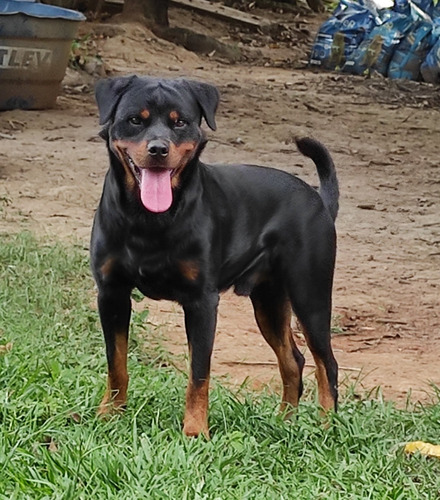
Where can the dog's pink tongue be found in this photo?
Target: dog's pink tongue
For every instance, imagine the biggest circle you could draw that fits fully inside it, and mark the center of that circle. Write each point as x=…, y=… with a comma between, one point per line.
x=156, y=192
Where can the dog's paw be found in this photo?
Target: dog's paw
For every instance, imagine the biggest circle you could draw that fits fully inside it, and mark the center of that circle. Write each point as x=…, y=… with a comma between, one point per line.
x=110, y=407
x=193, y=428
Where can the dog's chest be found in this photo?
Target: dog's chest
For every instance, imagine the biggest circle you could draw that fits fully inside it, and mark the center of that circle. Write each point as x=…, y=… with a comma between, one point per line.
x=171, y=271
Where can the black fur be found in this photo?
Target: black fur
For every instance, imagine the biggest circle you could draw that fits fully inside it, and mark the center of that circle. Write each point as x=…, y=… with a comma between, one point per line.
x=262, y=231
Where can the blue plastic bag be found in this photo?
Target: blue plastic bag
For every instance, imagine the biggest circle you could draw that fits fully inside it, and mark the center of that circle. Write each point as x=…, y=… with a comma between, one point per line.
x=377, y=48
x=411, y=52
x=426, y=5
x=436, y=12
x=430, y=68
x=402, y=7
x=341, y=34
x=419, y=9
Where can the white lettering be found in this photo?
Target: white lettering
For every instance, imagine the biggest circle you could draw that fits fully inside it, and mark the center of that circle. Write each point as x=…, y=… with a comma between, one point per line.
x=24, y=58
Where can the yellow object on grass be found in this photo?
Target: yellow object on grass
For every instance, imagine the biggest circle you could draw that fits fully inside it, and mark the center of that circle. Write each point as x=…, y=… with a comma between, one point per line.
x=428, y=449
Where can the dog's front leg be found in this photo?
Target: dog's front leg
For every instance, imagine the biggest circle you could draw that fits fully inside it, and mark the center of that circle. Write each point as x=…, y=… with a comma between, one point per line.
x=115, y=310
x=200, y=323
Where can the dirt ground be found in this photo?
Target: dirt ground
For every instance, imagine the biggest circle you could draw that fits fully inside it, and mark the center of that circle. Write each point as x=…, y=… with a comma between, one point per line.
x=384, y=137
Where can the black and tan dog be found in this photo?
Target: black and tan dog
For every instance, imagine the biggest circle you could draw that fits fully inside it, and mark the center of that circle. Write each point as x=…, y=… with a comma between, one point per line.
x=178, y=229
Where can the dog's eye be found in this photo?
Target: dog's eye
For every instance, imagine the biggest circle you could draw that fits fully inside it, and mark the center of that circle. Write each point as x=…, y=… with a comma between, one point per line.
x=135, y=120
x=179, y=123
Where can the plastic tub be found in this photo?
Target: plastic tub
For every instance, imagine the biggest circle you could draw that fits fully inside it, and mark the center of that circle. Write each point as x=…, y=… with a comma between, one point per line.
x=35, y=43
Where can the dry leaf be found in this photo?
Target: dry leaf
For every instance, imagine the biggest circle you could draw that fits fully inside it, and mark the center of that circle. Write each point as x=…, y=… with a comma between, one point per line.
x=75, y=417
x=5, y=348
x=53, y=448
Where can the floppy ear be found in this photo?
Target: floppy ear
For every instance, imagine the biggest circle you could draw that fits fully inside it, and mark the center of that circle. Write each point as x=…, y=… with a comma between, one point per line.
x=208, y=98
x=108, y=93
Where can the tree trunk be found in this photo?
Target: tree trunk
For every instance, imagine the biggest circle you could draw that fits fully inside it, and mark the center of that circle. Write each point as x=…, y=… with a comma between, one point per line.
x=155, y=11
x=316, y=5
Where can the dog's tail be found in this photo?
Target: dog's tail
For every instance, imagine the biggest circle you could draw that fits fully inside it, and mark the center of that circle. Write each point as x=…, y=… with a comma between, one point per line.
x=329, y=188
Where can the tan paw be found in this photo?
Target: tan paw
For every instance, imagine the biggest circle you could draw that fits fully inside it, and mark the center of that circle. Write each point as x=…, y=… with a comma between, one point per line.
x=110, y=407
x=193, y=428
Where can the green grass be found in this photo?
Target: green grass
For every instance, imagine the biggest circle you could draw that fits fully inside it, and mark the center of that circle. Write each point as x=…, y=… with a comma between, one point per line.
x=53, y=447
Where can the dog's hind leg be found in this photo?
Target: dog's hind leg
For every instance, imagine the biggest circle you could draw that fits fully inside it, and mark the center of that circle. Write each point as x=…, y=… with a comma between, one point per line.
x=310, y=290
x=273, y=313
x=317, y=335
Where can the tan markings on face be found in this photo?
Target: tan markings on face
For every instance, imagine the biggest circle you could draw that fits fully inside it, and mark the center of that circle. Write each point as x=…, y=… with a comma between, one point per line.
x=138, y=153
x=189, y=269
x=174, y=116
x=145, y=114
x=177, y=159
x=119, y=147
x=179, y=156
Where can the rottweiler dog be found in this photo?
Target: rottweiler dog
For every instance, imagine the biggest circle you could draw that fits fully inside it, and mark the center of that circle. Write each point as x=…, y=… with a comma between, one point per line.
x=181, y=230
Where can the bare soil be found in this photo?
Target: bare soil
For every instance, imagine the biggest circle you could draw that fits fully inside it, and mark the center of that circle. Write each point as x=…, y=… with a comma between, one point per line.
x=384, y=137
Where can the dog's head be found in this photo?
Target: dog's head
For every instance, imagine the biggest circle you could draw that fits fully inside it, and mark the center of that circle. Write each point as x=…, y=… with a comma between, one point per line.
x=153, y=128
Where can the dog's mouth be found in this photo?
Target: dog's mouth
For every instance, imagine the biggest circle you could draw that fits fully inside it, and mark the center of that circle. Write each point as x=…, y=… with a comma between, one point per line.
x=154, y=184
x=136, y=171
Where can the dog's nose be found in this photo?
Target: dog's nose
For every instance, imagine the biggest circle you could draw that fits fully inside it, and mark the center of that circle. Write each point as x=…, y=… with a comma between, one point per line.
x=158, y=147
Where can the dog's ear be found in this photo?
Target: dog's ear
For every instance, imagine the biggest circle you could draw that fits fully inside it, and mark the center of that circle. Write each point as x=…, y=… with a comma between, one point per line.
x=208, y=98
x=108, y=92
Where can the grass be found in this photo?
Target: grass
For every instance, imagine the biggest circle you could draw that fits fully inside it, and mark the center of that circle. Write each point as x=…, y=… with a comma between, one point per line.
x=52, y=447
